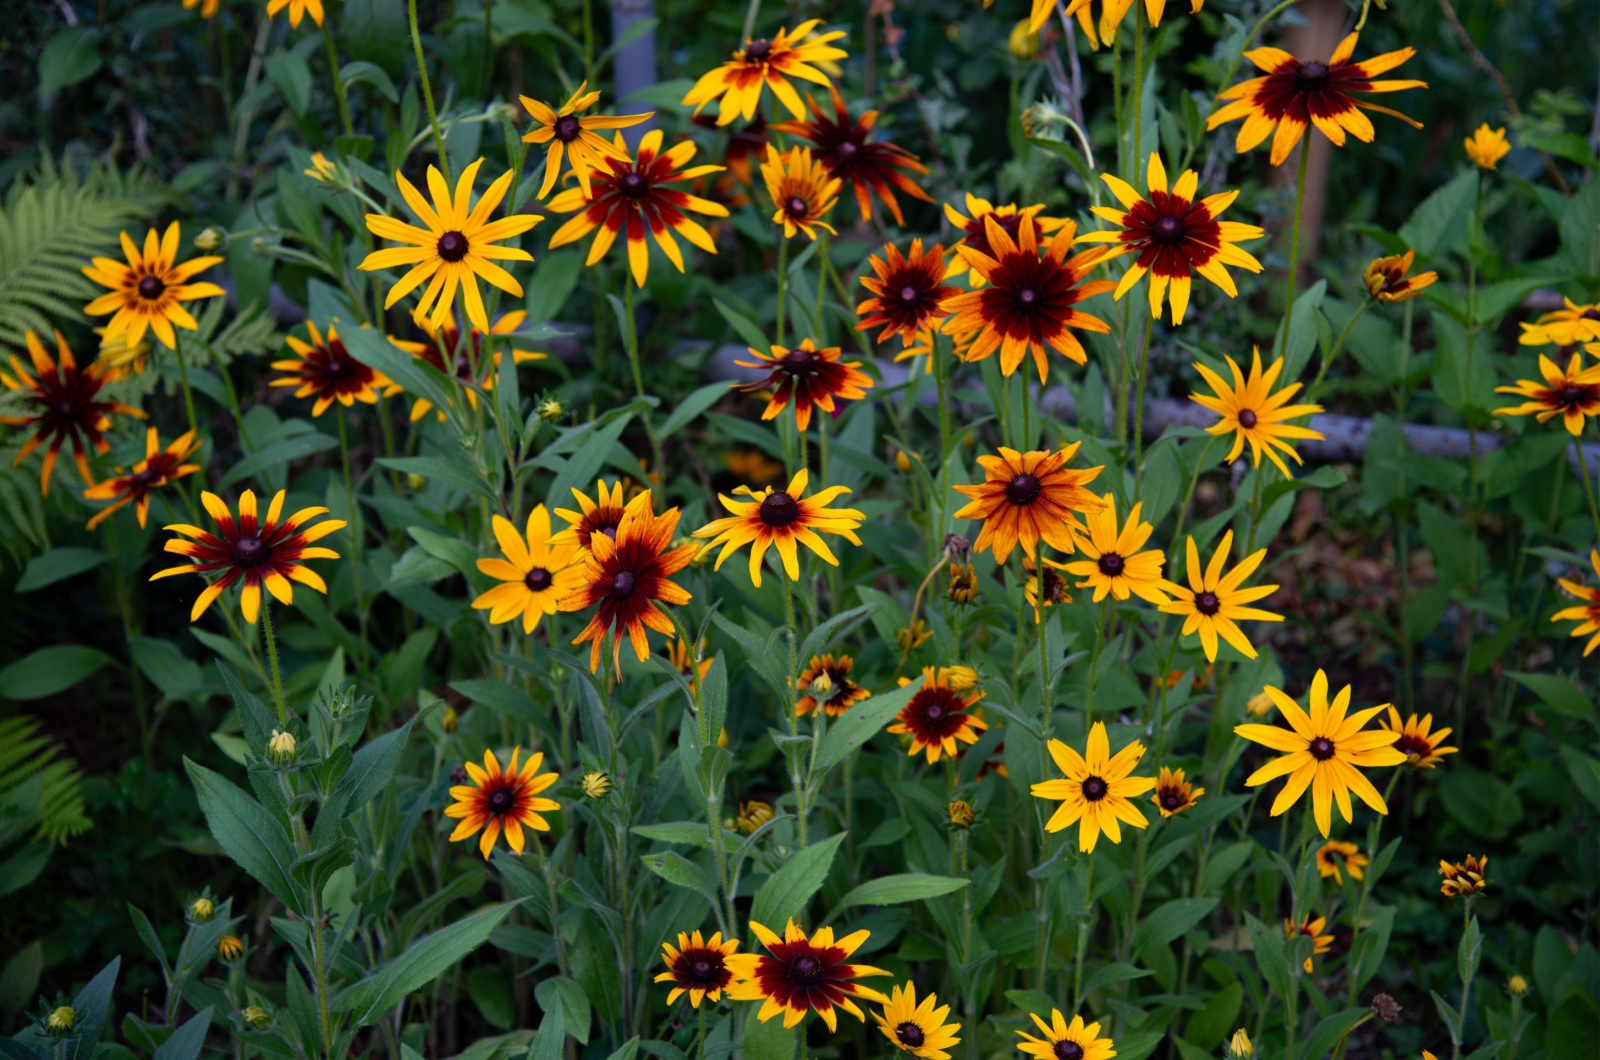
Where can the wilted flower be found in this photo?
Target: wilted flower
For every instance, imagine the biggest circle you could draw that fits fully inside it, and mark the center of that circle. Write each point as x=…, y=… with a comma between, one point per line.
x=963, y=583
x=913, y=637
x=1385, y=1008
x=961, y=814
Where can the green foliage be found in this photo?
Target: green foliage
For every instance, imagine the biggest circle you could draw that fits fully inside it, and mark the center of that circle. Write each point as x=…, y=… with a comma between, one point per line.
x=40, y=788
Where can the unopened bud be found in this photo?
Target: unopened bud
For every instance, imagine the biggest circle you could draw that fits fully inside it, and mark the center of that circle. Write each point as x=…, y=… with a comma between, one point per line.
x=209, y=240
x=201, y=909
x=449, y=720
x=281, y=748
x=61, y=1020
x=961, y=814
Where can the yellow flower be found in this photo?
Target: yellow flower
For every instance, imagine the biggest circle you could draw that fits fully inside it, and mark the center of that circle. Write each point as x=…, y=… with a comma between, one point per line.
x=148, y=289
x=752, y=815
x=767, y=63
x=595, y=785
x=1563, y=327
x=1336, y=855
x=321, y=169
x=533, y=576
x=1587, y=613
x=1419, y=741
x=939, y=715
x=780, y=519
x=1517, y=985
x=918, y=1029
x=1077, y=1040
x=1324, y=747
x=1213, y=603
x=1174, y=794
x=913, y=636
x=697, y=967
x=798, y=975
x=230, y=948
x=1253, y=413
x=1114, y=561
x=1097, y=790
x=501, y=799
x=1258, y=705
x=803, y=191
x=208, y=8
x=298, y=9
x=201, y=909
x=281, y=747
x=1112, y=12
x=963, y=583
x=1239, y=1045
x=1486, y=146
x=1024, y=40
x=1573, y=394
x=458, y=246
x=1464, y=879
x=568, y=134
x=1387, y=281
x=60, y=1021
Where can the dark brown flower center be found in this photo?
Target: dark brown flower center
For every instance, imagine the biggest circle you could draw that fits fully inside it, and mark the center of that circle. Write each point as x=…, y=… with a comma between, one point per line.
x=701, y=968
x=847, y=150
x=758, y=50
x=1026, y=296
x=500, y=801
x=1167, y=229
x=1592, y=313
x=1570, y=394
x=1409, y=744
x=248, y=551
x=779, y=509
x=67, y=408
x=933, y=711
x=151, y=288
x=1321, y=748
x=1024, y=489
x=1111, y=564
x=797, y=359
x=805, y=971
x=634, y=186
x=537, y=580
x=796, y=206
x=622, y=583
x=567, y=128
x=1207, y=603
x=452, y=246
x=910, y=294
x=1068, y=1051
x=1171, y=800
x=1094, y=789
x=910, y=1035
x=1247, y=418
x=143, y=478
x=1312, y=76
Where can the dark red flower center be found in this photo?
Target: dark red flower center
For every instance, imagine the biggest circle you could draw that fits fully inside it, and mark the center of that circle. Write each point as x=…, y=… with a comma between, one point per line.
x=452, y=246
x=1410, y=744
x=143, y=478
x=910, y=1035
x=634, y=186
x=248, y=551
x=67, y=408
x=1312, y=77
x=1171, y=800
x=933, y=711
x=1591, y=313
x=1321, y=748
x=1167, y=229
x=151, y=288
x=1247, y=418
x=1026, y=296
x=500, y=801
x=758, y=50
x=796, y=360
x=796, y=206
x=1024, y=489
x=910, y=294
x=1570, y=394
x=1111, y=564
x=700, y=968
x=779, y=509
x=567, y=128
x=537, y=580
x=1094, y=789
x=805, y=971
x=847, y=149
x=622, y=582
x=1065, y=1050
x=1207, y=603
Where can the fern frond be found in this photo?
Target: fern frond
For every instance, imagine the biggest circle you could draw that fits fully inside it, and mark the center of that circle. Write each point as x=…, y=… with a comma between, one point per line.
x=29, y=757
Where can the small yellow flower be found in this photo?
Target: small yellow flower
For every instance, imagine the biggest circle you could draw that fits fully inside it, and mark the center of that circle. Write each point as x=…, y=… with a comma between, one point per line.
x=913, y=637
x=209, y=239
x=60, y=1021
x=1517, y=985
x=255, y=1016
x=1464, y=878
x=449, y=720
x=1336, y=857
x=281, y=748
x=1024, y=42
x=961, y=814
x=1486, y=146
x=230, y=948
x=595, y=785
x=902, y=462
x=201, y=909
x=1387, y=281
x=752, y=815
x=1239, y=1045
x=963, y=583
x=1258, y=705
x=321, y=169
x=550, y=410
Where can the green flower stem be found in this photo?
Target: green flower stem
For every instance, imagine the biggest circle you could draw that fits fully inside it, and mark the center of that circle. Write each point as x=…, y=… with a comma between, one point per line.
x=1100, y=632
x=1138, y=407
x=272, y=657
x=356, y=534
x=1294, y=246
x=427, y=92
x=1459, y=1032
x=1338, y=345
x=783, y=283
x=632, y=341
x=792, y=634
x=750, y=14
x=1361, y=906
x=1135, y=107
x=188, y=405
x=1588, y=486
x=1296, y=918
x=1084, y=928
x=1470, y=617
x=338, y=82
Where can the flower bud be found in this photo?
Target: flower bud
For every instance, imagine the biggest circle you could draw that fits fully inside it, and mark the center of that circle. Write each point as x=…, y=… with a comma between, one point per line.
x=449, y=720
x=415, y=481
x=550, y=409
x=281, y=748
x=255, y=1016
x=1239, y=1045
x=230, y=947
x=902, y=462
x=752, y=815
x=209, y=239
x=60, y=1021
x=961, y=814
x=201, y=909
x=1023, y=42
x=1517, y=985
x=595, y=785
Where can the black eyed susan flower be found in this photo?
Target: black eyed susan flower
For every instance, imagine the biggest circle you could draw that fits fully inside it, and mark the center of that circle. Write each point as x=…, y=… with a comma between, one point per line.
x=1463, y=879
x=826, y=682
x=1051, y=586
x=122, y=359
x=1253, y=413
x=1587, y=613
x=913, y=636
x=456, y=246
x=1027, y=302
x=918, y=1029
x=533, y=576
x=1066, y=1041
x=809, y=376
x=1174, y=794
x=1097, y=790
x=781, y=519
x=1337, y=857
x=1573, y=323
x=767, y=63
x=64, y=407
x=1173, y=236
x=1312, y=928
x=1324, y=750
x=622, y=579
x=697, y=967
x=252, y=551
x=1026, y=498
x=961, y=814
x=134, y=486
x=963, y=583
x=798, y=975
x=939, y=714
x=230, y=948
x=1486, y=146
x=499, y=801
x=802, y=191
x=1387, y=281
x=1419, y=741
x=1573, y=394
x=907, y=292
x=593, y=517
x=845, y=148
x=1294, y=94
x=975, y=230
x=570, y=134
x=753, y=814
x=148, y=289
x=1213, y=603
x=298, y=9
x=633, y=196
x=446, y=351
x=1112, y=13
x=1117, y=562
x=327, y=372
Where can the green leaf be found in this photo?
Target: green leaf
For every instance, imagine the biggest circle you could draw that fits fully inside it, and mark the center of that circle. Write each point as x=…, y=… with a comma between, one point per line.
x=748, y=330
x=1108, y=974
x=834, y=630
x=681, y=872
x=786, y=892
x=255, y=720
x=422, y=962
x=582, y=467
x=249, y=835
x=277, y=455
x=420, y=379
x=20, y=979
x=551, y=1040
x=503, y=698
x=363, y=72
x=1440, y=221
x=859, y=724
x=1206, y=1028
x=70, y=56
x=174, y=673
x=769, y=1040
x=563, y=993
x=897, y=890
x=93, y=1008
x=690, y=408
x=1267, y=944
x=1169, y=921
x=1558, y=693
x=457, y=474
x=50, y=670
x=1326, y=1034
x=57, y=565
x=1483, y=804
x=292, y=76
x=1302, y=337
x=689, y=833
x=185, y=1042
